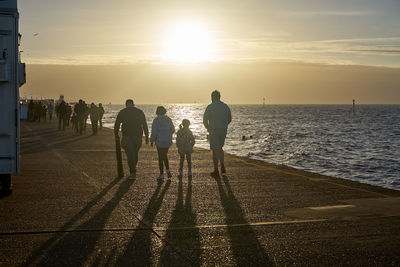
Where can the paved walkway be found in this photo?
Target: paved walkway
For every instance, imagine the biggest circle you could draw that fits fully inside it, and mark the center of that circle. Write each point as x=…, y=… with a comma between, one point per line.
x=68, y=208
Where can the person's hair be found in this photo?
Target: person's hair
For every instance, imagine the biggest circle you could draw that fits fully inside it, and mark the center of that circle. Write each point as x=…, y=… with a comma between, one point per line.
x=161, y=110
x=185, y=124
x=129, y=102
x=216, y=95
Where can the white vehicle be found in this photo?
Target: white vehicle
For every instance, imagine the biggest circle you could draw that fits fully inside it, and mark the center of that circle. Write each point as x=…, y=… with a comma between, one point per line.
x=12, y=76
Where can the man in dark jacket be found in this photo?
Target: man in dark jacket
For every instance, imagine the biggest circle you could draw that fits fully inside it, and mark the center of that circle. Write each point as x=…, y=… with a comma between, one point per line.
x=62, y=111
x=134, y=124
x=80, y=110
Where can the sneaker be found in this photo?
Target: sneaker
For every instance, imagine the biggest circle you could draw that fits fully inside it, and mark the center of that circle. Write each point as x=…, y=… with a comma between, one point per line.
x=161, y=177
x=190, y=174
x=169, y=174
x=215, y=173
x=132, y=176
x=180, y=173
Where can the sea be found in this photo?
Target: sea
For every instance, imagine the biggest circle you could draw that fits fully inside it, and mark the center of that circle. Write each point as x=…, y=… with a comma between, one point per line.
x=360, y=144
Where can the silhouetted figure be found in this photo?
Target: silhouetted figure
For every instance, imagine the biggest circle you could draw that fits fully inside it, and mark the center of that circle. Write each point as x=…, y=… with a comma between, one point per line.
x=134, y=124
x=31, y=110
x=161, y=133
x=101, y=114
x=243, y=138
x=216, y=120
x=87, y=111
x=50, y=109
x=74, y=122
x=69, y=113
x=94, y=117
x=38, y=111
x=61, y=111
x=43, y=112
x=185, y=142
x=80, y=110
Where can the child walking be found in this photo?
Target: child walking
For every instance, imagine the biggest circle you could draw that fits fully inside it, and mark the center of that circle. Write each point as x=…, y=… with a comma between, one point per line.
x=161, y=133
x=185, y=142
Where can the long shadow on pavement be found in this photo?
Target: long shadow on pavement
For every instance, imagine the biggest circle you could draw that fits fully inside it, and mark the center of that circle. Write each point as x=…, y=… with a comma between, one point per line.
x=54, y=239
x=182, y=244
x=246, y=248
x=72, y=249
x=138, y=251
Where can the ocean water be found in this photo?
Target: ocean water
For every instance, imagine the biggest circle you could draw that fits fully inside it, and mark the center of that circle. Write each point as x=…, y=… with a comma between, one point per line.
x=328, y=139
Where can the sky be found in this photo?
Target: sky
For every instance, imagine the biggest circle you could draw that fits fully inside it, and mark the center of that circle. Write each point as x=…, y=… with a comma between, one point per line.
x=278, y=48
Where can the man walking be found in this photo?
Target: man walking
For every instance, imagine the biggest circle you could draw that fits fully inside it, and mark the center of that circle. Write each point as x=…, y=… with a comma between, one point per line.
x=94, y=117
x=80, y=110
x=61, y=111
x=134, y=124
x=216, y=119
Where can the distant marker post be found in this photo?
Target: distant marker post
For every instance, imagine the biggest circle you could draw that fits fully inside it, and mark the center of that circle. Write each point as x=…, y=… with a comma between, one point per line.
x=354, y=106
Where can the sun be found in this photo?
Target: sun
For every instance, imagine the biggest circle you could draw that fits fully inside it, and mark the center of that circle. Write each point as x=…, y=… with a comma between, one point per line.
x=188, y=41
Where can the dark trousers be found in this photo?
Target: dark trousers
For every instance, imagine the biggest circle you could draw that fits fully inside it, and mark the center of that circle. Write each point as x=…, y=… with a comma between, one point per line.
x=188, y=159
x=101, y=122
x=81, y=122
x=131, y=145
x=94, y=126
x=163, y=158
x=62, y=121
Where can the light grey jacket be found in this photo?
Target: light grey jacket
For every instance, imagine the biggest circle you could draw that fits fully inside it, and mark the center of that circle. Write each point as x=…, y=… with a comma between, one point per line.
x=161, y=131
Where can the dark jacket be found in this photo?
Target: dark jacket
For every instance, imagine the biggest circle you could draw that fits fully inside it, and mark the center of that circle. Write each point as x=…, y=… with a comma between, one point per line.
x=133, y=122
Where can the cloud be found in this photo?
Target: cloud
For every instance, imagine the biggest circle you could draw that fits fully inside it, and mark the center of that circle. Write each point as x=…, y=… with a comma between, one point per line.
x=333, y=13
x=376, y=51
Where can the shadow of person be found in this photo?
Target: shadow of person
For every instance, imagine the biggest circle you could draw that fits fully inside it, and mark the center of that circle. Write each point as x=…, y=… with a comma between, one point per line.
x=74, y=248
x=61, y=231
x=182, y=240
x=245, y=246
x=138, y=251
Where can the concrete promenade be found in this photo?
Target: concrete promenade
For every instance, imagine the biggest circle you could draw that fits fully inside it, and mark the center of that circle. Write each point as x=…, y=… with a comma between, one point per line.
x=69, y=208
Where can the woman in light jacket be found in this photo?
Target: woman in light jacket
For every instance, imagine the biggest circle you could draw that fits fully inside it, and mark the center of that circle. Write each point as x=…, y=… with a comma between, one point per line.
x=161, y=134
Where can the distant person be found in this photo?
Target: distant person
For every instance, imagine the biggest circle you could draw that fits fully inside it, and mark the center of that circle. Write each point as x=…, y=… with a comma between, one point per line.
x=61, y=111
x=161, y=133
x=134, y=124
x=44, y=112
x=50, y=109
x=101, y=114
x=31, y=110
x=69, y=113
x=216, y=120
x=38, y=111
x=87, y=110
x=185, y=142
x=94, y=117
x=74, y=122
x=80, y=110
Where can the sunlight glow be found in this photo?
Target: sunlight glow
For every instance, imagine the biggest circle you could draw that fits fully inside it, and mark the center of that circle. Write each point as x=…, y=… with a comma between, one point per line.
x=188, y=42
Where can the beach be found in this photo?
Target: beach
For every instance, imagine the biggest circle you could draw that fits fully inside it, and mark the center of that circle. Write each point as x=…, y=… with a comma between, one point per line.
x=70, y=208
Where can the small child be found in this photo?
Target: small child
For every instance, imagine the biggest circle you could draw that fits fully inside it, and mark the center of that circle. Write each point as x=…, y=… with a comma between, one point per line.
x=185, y=142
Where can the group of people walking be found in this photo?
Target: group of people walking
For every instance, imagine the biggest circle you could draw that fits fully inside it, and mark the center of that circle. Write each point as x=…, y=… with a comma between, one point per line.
x=38, y=111
x=82, y=112
x=216, y=119
x=67, y=114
